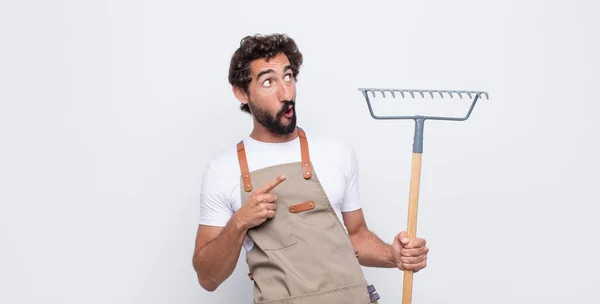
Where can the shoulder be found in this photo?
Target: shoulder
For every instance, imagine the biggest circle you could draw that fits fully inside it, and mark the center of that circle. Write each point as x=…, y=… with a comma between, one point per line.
x=327, y=142
x=331, y=149
x=220, y=178
x=224, y=164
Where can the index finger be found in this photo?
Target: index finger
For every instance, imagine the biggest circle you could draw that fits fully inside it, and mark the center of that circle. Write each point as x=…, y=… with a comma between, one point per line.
x=268, y=187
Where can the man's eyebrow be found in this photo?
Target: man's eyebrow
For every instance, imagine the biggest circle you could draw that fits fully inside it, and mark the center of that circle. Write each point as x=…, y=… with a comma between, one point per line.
x=264, y=72
x=289, y=67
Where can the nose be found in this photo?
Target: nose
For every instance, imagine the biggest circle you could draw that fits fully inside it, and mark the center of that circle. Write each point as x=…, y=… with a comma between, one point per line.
x=285, y=92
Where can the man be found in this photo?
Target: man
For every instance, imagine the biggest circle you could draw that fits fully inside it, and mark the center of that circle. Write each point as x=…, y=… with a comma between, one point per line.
x=266, y=196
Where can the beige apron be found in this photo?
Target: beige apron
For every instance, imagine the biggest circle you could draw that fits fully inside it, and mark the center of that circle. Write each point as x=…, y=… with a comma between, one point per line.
x=302, y=255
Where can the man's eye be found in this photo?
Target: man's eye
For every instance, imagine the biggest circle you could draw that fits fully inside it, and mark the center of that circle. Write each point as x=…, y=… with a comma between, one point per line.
x=288, y=77
x=267, y=83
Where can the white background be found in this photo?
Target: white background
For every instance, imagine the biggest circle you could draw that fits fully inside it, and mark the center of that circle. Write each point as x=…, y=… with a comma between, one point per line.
x=111, y=109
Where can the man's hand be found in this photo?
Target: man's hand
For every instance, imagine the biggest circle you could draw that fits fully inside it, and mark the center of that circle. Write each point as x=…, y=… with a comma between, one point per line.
x=409, y=254
x=260, y=206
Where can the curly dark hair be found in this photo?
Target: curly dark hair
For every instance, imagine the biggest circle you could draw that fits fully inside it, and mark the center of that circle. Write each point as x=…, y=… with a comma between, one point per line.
x=256, y=47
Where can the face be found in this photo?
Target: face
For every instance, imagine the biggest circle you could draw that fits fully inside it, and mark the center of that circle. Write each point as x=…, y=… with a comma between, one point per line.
x=272, y=93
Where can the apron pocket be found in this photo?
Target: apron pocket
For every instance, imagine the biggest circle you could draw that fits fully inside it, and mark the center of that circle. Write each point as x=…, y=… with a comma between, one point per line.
x=273, y=234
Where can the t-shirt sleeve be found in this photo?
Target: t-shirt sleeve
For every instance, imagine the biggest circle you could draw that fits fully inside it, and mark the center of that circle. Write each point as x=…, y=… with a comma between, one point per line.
x=215, y=209
x=351, y=199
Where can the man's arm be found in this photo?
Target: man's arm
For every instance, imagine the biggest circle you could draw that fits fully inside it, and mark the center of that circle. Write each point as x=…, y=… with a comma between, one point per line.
x=405, y=254
x=372, y=251
x=217, y=251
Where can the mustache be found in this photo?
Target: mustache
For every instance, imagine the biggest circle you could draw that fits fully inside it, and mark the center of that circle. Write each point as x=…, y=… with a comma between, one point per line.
x=286, y=106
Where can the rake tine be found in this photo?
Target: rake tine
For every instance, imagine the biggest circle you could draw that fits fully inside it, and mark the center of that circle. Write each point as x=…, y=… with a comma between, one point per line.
x=432, y=93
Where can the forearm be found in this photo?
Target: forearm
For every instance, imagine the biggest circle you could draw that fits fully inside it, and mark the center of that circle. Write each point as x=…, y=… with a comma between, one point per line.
x=372, y=251
x=216, y=261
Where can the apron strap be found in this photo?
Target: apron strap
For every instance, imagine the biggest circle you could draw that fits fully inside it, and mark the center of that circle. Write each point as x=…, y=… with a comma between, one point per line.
x=244, y=166
x=306, y=165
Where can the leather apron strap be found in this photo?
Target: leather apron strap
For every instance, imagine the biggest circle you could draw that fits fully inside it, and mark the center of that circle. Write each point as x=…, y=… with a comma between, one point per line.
x=306, y=165
x=244, y=166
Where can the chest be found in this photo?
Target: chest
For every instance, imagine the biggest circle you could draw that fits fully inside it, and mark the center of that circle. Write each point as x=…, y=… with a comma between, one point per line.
x=332, y=180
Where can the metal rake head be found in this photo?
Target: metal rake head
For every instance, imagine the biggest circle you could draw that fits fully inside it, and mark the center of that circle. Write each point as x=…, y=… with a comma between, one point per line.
x=475, y=95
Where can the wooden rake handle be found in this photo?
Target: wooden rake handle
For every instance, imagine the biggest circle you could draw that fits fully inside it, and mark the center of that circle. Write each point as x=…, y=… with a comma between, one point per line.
x=413, y=207
x=413, y=202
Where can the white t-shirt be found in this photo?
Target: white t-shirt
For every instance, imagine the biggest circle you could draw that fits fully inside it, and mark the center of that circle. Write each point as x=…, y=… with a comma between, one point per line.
x=334, y=161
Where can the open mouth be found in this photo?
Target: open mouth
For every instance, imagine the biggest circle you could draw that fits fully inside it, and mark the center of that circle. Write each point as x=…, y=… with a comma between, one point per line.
x=289, y=113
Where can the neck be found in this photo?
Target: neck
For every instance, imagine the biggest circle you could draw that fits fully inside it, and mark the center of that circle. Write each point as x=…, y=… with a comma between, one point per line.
x=260, y=133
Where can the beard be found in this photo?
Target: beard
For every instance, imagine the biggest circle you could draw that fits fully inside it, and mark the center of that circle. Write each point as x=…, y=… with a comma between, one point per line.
x=274, y=123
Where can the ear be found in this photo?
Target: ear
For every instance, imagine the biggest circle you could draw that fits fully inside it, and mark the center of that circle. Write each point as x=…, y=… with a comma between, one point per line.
x=240, y=94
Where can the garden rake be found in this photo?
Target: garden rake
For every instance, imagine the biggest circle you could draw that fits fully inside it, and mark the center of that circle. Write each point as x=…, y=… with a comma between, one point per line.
x=417, y=153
